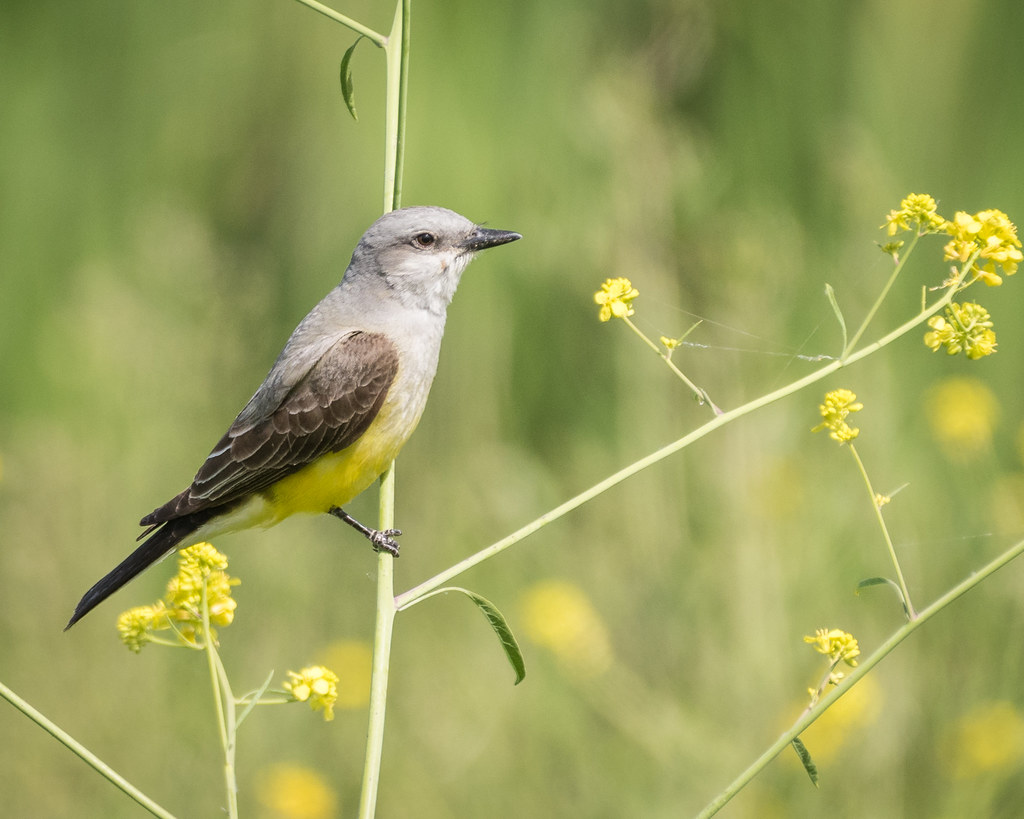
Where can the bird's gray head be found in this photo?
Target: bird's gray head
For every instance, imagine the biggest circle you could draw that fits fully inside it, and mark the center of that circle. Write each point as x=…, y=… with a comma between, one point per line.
x=418, y=254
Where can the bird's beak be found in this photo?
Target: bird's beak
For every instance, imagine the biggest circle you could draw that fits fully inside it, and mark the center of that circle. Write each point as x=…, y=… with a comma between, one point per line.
x=482, y=238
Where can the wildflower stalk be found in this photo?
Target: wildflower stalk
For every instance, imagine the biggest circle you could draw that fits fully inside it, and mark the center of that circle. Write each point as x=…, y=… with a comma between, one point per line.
x=907, y=605
x=823, y=704
x=374, y=37
x=225, y=705
x=396, y=49
x=881, y=297
x=702, y=395
x=386, y=608
x=83, y=753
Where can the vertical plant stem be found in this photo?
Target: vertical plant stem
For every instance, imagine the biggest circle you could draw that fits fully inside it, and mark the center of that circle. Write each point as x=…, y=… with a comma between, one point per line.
x=911, y=614
x=381, y=655
x=225, y=705
x=397, y=56
x=396, y=51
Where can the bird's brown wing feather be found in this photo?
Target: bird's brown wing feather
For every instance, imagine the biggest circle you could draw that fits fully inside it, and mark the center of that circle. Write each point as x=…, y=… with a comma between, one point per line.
x=326, y=411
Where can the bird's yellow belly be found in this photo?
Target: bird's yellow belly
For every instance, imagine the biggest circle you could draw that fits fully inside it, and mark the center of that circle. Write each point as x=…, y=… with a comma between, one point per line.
x=333, y=480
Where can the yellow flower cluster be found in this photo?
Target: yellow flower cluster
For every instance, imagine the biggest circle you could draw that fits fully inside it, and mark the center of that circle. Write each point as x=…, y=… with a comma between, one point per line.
x=316, y=685
x=838, y=405
x=839, y=645
x=918, y=210
x=965, y=328
x=989, y=237
x=615, y=298
x=136, y=626
x=200, y=575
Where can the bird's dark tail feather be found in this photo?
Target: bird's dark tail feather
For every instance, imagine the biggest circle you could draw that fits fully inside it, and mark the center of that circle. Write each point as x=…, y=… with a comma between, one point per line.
x=160, y=544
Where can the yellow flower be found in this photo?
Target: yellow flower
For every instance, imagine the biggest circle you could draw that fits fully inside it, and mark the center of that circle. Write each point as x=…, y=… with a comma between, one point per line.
x=199, y=566
x=202, y=566
x=990, y=237
x=559, y=616
x=138, y=624
x=615, y=297
x=962, y=414
x=202, y=558
x=316, y=685
x=965, y=328
x=296, y=792
x=988, y=738
x=839, y=645
x=916, y=211
x=838, y=405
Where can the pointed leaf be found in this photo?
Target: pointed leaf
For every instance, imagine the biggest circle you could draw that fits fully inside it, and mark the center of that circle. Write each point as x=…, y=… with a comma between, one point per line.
x=254, y=700
x=831, y=294
x=806, y=761
x=501, y=628
x=885, y=581
x=347, y=88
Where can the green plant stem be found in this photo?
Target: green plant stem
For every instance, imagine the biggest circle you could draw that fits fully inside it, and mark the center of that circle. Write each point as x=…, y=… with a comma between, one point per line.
x=881, y=297
x=83, y=753
x=702, y=396
x=396, y=50
x=856, y=675
x=225, y=707
x=403, y=600
x=907, y=605
x=374, y=37
x=381, y=656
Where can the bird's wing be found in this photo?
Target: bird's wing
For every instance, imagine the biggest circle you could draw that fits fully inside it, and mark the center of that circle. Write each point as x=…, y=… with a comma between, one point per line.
x=325, y=411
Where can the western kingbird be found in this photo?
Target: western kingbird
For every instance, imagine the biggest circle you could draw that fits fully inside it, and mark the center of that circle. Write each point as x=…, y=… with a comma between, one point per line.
x=340, y=401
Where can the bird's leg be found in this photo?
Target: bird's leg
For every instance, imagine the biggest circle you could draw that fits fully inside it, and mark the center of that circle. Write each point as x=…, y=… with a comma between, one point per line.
x=382, y=540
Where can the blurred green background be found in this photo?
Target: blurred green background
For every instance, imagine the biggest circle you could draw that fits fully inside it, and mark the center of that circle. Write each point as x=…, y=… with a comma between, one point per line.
x=180, y=182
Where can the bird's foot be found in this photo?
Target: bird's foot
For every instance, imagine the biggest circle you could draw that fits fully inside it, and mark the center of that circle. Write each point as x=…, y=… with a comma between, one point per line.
x=382, y=540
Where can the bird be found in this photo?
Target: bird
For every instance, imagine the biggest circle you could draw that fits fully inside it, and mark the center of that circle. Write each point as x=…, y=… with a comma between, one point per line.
x=340, y=401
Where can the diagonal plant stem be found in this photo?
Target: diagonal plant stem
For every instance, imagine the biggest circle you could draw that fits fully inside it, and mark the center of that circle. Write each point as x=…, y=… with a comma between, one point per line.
x=83, y=753
x=907, y=605
x=374, y=37
x=702, y=395
x=854, y=676
x=442, y=578
x=881, y=297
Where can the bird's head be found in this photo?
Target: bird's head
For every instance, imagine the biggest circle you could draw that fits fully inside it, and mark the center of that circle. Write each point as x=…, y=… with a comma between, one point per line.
x=419, y=253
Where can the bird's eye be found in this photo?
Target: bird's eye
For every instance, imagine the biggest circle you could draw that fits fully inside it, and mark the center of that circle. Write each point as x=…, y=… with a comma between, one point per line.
x=424, y=239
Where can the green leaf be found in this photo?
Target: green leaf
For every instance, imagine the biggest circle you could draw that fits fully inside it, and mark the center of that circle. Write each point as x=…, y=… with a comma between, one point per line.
x=501, y=628
x=831, y=294
x=806, y=761
x=347, y=89
x=885, y=581
x=254, y=699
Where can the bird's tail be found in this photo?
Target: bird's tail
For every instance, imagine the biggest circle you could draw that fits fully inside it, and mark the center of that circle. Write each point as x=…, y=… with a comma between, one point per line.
x=158, y=545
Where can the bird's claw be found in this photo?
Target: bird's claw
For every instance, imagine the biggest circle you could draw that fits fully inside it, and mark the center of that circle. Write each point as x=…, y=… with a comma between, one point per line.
x=383, y=540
